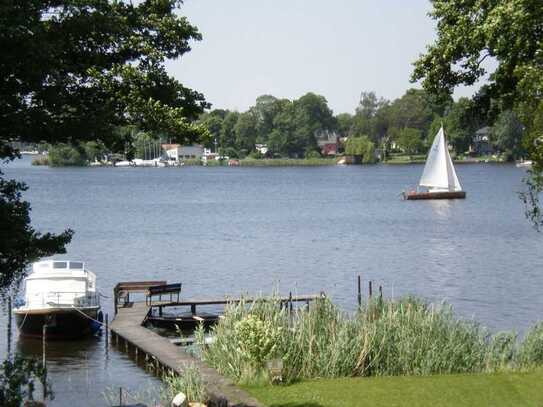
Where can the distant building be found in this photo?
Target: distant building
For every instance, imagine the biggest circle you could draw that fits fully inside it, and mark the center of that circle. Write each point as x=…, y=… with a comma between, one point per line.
x=481, y=142
x=328, y=142
x=209, y=155
x=178, y=152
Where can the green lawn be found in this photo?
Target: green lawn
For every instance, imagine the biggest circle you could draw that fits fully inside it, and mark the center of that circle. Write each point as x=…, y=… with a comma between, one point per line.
x=496, y=390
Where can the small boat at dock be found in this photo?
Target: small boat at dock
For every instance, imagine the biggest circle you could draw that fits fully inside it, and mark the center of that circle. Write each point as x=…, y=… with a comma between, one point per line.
x=439, y=179
x=61, y=295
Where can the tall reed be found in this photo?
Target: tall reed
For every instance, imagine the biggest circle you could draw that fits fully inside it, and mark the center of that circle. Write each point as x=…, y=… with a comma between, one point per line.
x=403, y=337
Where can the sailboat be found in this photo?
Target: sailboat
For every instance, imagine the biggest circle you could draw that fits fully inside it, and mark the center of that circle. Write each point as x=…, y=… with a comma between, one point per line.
x=439, y=180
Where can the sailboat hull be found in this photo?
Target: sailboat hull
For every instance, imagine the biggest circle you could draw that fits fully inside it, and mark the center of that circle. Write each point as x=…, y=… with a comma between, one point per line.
x=413, y=195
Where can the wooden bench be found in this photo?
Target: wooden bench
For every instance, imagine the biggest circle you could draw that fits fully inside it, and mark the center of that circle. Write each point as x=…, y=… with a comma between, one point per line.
x=121, y=292
x=163, y=289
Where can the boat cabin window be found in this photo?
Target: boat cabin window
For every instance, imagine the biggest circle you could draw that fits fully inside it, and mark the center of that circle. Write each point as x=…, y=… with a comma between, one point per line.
x=76, y=265
x=60, y=265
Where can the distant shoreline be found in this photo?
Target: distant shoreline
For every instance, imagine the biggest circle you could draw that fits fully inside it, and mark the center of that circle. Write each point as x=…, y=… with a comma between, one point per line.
x=285, y=162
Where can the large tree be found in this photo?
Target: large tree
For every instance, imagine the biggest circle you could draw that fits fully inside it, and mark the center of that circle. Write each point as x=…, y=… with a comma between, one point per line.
x=75, y=70
x=509, y=32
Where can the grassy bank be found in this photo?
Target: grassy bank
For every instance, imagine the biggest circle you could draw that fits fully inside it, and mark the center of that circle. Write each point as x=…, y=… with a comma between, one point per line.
x=499, y=389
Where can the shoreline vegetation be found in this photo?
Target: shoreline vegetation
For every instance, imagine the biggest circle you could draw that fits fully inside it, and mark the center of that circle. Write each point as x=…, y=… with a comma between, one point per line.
x=318, y=350
x=43, y=160
x=407, y=336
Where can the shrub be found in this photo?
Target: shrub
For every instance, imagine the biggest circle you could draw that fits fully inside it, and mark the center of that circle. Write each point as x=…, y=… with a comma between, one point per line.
x=61, y=155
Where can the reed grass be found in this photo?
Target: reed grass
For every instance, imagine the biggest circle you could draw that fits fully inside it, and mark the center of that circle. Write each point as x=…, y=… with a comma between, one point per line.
x=190, y=383
x=403, y=337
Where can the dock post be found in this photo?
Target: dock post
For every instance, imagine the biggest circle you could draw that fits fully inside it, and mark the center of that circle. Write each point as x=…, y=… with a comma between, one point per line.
x=290, y=302
x=370, y=289
x=193, y=309
x=107, y=330
x=115, y=301
x=44, y=361
x=9, y=328
x=359, y=297
x=380, y=292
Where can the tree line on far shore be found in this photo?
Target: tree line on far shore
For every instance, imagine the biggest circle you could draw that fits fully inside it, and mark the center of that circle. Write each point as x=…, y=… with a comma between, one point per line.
x=292, y=129
x=405, y=125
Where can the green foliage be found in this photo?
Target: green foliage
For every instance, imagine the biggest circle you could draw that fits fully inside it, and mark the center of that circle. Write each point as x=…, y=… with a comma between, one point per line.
x=18, y=380
x=460, y=124
x=190, y=383
x=65, y=155
x=507, y=134
x=95, y=150
x=362, y=147
x=404, y=337
x=311, y=154
x=509, y=31
x=344, y=124
x=410, y=141
x=110, y=72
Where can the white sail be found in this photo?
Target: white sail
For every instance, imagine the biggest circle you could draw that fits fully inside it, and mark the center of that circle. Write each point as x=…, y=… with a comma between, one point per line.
x=439, y=173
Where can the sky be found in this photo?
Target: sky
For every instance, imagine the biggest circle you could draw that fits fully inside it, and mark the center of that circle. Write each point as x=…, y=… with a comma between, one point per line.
x=287, y=48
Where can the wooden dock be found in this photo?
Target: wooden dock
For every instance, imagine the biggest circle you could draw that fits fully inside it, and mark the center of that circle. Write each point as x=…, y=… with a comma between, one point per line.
x=127, y=330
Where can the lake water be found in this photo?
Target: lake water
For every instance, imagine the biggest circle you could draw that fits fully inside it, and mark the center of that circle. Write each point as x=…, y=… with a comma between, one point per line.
x=227, y=231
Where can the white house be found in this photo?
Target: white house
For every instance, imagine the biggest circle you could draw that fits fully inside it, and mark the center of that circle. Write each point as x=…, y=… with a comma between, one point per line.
x=178, y=153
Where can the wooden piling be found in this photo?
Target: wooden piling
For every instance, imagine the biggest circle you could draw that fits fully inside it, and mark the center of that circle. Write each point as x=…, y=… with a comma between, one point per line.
x=380, y=292
x=370, y=289
x=359, y=296
x=44, y=359
x=107, y=330
x=9, y=327
x=290, y=302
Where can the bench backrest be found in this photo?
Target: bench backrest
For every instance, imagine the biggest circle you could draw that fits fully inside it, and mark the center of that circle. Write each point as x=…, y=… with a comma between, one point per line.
x=165, y=289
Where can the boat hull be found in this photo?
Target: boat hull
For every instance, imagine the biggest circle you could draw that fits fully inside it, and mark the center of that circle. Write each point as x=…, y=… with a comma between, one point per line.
x=61, y=324
x=411, y=196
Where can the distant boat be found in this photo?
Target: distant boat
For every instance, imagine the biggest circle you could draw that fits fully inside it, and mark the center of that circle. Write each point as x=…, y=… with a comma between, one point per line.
x=439, y=180
x=524, y=164
x=63, y=296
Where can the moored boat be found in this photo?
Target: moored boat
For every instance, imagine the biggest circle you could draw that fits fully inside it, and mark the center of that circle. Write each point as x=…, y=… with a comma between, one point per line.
x=439, y=179
x=63, y=296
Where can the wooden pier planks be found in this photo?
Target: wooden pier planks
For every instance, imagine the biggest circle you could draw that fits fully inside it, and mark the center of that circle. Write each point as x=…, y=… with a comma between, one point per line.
x=128, y=326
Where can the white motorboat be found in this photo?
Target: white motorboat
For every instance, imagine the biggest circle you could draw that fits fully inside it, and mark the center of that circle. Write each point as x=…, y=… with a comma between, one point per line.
x=61, y=294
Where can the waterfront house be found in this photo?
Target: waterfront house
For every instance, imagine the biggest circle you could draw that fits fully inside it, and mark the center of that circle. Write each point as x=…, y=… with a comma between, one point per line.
x=178, y=152
x=481, y=142
x=327, y=142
